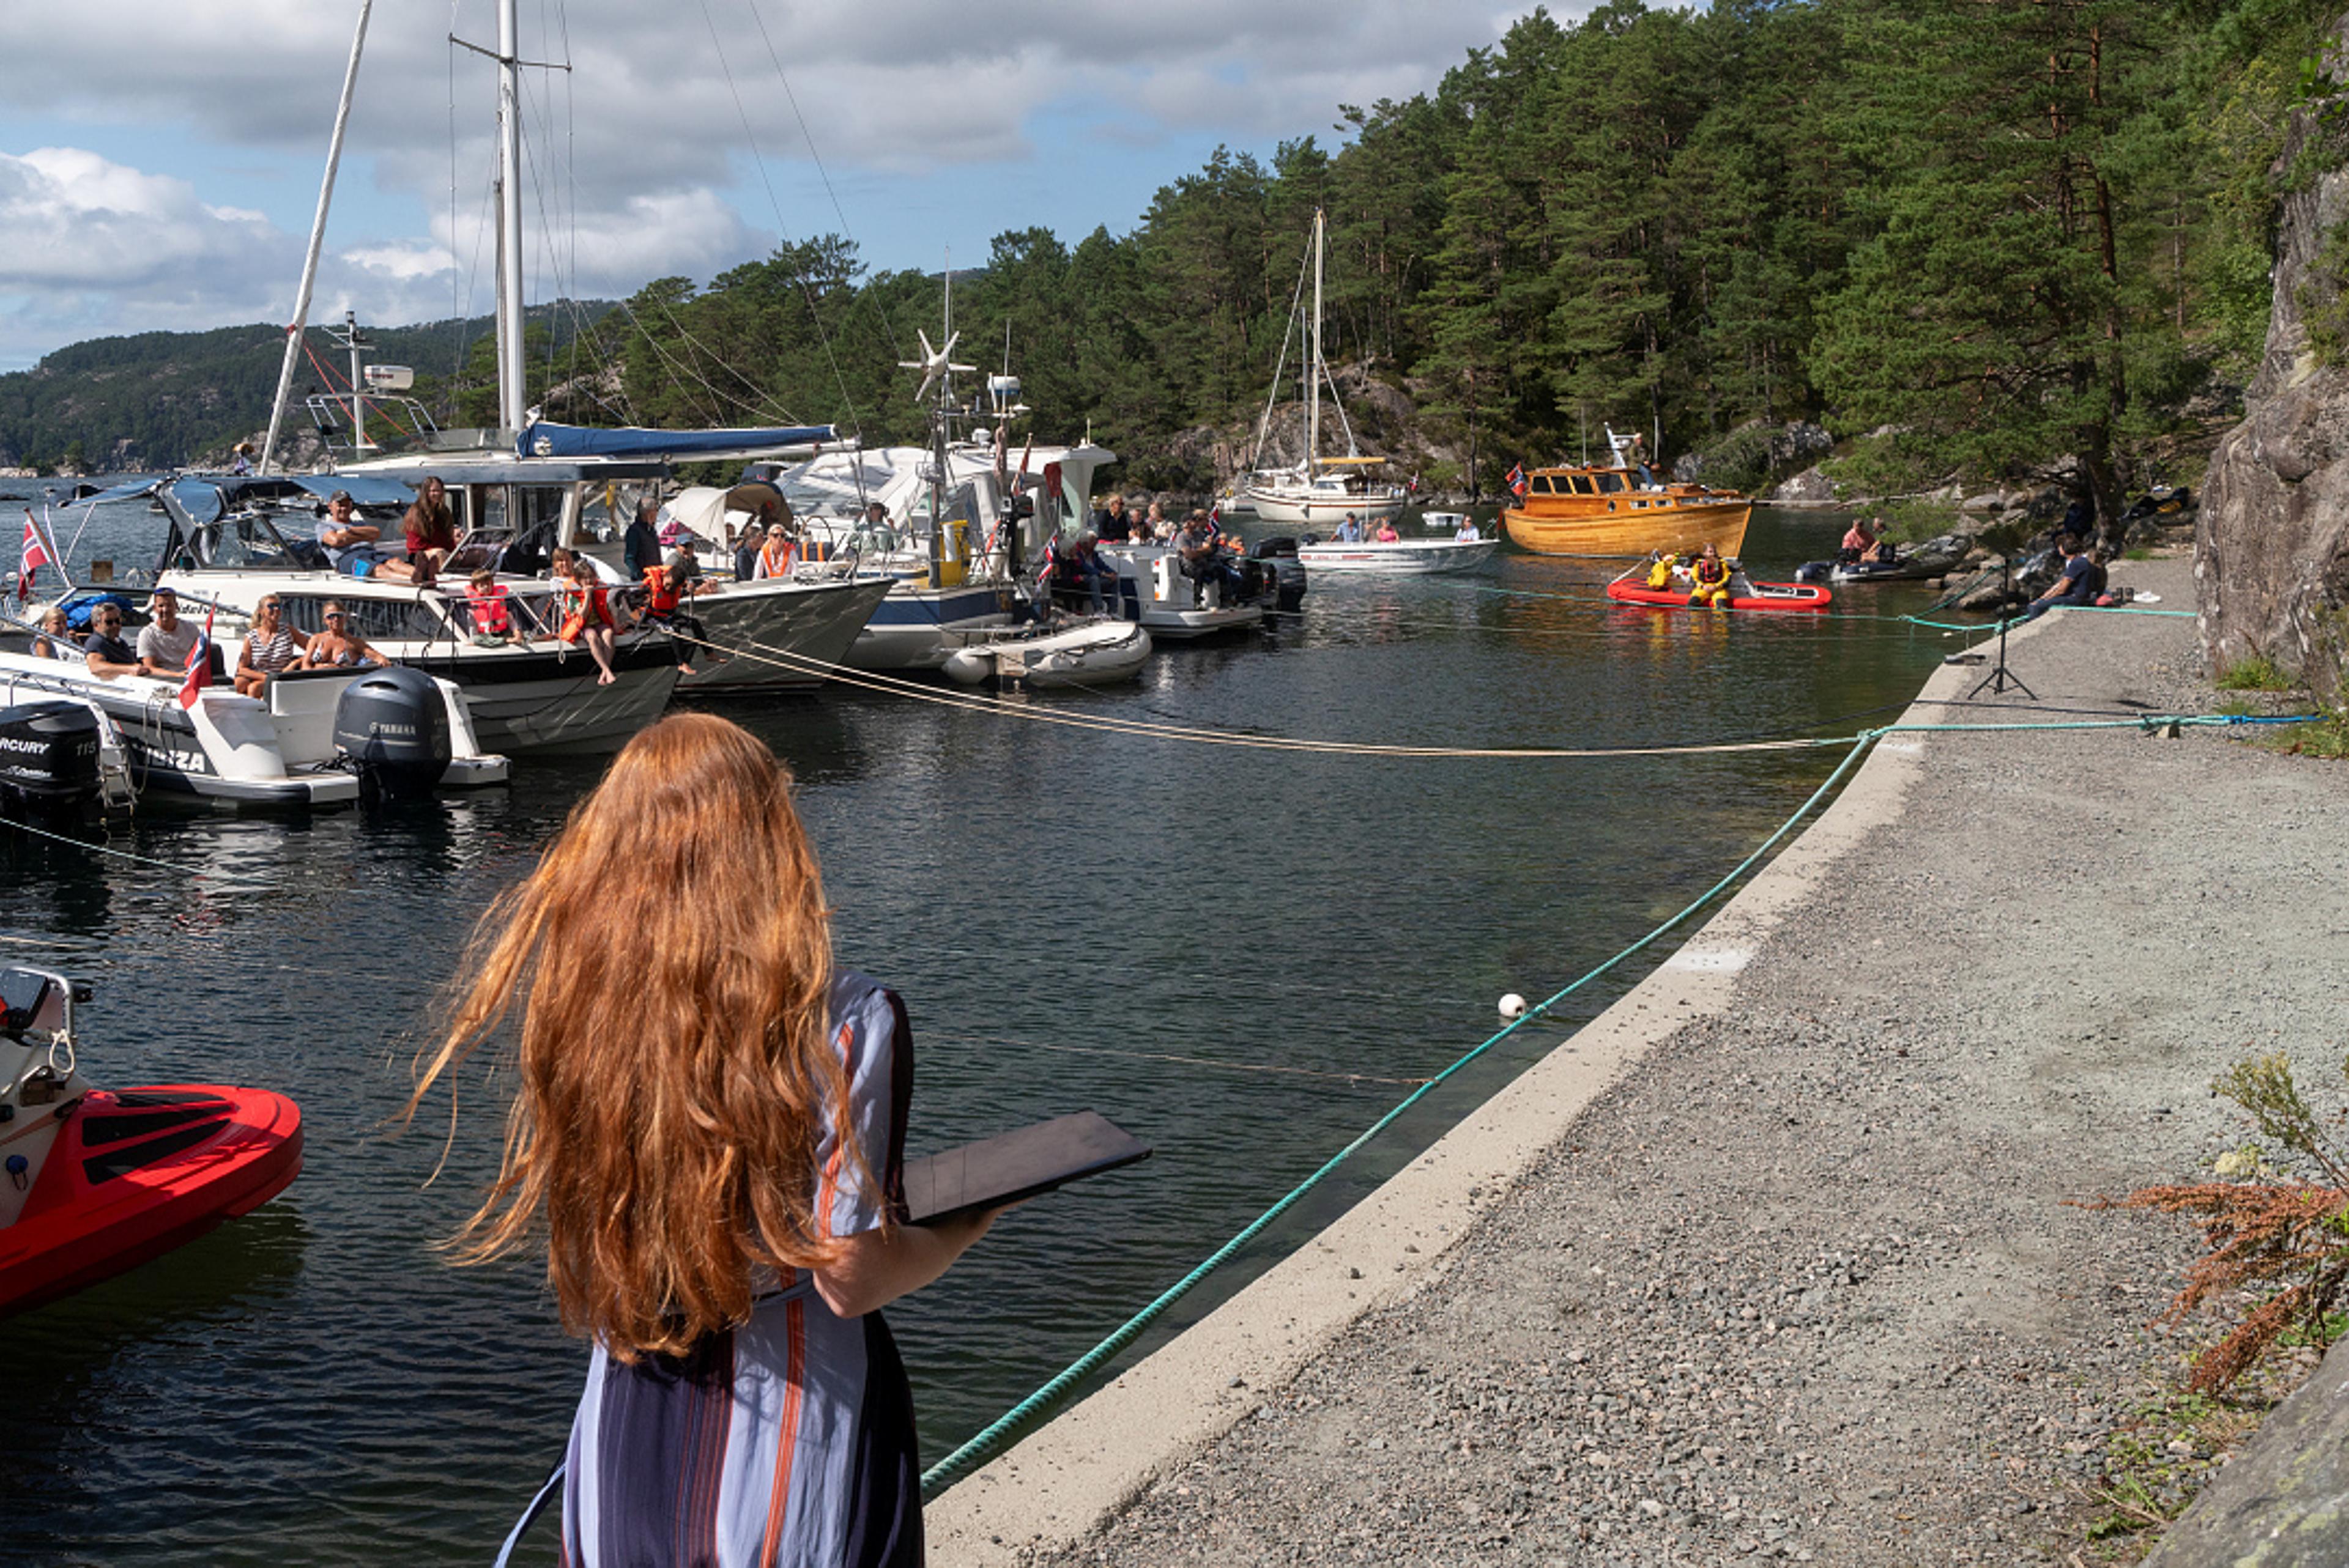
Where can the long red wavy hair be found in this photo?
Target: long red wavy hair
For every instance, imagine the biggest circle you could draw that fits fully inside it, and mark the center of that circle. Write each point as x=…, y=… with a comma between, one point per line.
x=670, y=958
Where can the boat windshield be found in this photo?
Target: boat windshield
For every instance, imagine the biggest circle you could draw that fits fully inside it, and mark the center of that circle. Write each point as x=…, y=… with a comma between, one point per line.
x=1609, y=482
x=251, y=540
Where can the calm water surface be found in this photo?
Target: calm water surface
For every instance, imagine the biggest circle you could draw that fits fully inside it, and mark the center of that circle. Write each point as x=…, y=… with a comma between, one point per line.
x=1061, y=909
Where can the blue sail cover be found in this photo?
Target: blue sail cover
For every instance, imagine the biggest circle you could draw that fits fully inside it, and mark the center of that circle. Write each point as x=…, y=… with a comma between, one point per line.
x=543, y=439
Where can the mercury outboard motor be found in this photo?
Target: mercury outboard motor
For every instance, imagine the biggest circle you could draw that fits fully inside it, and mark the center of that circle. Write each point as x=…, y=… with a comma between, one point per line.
x=390, y=723
x=48, y=758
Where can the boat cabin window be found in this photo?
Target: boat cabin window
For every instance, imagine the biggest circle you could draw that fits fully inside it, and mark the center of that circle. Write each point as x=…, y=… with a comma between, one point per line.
x=1609, y=482
x=1542, y=484
x=377, y=620
x=238, y=542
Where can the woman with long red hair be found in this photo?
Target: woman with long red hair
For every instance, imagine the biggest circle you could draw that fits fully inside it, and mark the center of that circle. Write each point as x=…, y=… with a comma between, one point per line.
x=708, y=1131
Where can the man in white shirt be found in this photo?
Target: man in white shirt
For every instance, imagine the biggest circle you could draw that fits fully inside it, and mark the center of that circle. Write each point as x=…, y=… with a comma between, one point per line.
x=166, y=641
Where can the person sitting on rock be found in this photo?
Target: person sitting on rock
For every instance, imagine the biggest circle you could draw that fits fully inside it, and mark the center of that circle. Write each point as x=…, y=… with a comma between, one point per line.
x=1709, y=573
x=2081, y=580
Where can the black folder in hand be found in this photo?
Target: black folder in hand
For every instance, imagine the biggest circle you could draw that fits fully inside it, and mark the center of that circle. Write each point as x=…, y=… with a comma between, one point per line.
x=1016, y=1165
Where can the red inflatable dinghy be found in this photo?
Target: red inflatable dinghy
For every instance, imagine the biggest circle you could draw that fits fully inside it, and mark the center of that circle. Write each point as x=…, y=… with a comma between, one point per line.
x=1765, y=596
x=93, y=1182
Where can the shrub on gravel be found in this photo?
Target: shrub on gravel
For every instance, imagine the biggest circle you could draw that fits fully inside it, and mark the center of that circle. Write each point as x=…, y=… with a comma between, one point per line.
x=2274, y=1232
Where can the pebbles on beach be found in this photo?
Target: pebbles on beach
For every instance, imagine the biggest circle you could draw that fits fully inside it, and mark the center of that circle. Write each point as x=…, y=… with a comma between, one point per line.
x=1810, y=1284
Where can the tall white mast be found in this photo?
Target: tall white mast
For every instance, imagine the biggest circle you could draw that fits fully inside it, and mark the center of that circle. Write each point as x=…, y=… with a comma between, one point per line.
x=510, y=351
x=1313, y=378
x=317, y=238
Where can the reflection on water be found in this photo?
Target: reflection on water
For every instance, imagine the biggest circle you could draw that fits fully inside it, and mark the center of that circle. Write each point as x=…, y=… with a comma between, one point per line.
x=1062, y=910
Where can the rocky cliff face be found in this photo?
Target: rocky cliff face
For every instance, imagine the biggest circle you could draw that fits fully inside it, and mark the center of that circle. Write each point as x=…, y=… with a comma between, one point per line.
x=2272, y=549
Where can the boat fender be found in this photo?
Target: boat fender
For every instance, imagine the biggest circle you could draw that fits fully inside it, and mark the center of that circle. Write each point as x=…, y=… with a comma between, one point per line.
x=967, y=665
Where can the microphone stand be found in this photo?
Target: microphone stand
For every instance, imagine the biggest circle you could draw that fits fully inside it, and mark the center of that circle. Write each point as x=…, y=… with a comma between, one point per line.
x=2001, y=677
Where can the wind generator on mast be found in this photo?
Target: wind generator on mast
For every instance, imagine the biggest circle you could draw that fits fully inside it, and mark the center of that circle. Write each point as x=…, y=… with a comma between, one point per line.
x=938, y=369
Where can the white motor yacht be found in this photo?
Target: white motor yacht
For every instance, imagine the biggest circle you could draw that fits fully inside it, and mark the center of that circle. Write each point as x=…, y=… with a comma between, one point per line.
x=275, y=750
x=234, y=541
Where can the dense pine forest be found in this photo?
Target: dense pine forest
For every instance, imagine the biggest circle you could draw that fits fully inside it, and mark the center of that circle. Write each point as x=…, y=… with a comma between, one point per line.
x=2000, y=232
x=1971, y=238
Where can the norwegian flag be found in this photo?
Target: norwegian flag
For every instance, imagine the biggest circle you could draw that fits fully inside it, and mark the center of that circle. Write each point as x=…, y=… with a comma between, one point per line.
x=199, y=664
x=1517, y=481
x=36, y=555
x=1216, y=520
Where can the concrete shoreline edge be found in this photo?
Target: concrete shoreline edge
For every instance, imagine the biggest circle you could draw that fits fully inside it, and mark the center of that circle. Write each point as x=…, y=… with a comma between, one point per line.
x=1058, y=1484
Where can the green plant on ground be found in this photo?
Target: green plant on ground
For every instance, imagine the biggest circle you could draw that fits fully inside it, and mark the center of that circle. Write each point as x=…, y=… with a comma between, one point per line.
x=2156, y=1462
x=2326, y=737
x=2282, y=1238
x=2253, y=672
x=2138, y=553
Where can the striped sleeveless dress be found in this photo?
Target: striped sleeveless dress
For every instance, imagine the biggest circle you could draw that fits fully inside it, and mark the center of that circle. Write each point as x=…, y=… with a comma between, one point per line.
x=788, y=1440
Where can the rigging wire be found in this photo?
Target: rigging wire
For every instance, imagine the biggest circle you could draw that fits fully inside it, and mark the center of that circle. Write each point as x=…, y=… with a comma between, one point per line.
x=880, y=305
x=815, y=316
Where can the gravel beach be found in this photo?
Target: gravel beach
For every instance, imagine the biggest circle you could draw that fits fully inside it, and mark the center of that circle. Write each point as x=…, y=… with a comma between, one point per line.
x=1807, y=1283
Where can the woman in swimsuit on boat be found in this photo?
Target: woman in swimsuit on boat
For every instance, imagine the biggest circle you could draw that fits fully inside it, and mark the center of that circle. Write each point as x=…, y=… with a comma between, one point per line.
x=270, y=646
x=706, y=1131
x=338, y=646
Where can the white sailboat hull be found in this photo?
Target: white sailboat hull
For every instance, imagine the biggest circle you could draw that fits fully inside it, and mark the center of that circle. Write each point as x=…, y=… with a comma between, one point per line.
x=1296, y=507
x=780, y=634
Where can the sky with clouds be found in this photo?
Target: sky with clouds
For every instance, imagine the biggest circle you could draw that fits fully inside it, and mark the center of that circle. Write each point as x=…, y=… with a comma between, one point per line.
x=160, y=159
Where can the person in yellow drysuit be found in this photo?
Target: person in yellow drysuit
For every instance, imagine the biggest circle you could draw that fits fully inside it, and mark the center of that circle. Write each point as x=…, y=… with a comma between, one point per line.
x=1660, y=572
x=1711, y=574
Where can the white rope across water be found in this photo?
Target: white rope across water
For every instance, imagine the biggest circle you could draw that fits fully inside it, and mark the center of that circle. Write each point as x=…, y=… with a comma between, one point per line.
x=870, y=680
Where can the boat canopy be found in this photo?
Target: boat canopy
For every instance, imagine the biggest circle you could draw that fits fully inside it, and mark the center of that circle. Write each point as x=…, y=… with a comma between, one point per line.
x=543, y=439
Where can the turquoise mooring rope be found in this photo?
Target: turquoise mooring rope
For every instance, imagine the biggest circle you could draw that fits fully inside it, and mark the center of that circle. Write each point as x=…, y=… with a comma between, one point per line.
x=999, y=1433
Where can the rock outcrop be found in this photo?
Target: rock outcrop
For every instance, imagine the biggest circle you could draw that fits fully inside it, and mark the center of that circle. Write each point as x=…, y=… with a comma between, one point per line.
x=2272, y=548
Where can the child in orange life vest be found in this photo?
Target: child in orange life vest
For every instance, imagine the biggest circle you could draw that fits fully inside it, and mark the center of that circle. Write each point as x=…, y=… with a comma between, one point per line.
x=587, y=617
x=1710, y=574
x=485, y=605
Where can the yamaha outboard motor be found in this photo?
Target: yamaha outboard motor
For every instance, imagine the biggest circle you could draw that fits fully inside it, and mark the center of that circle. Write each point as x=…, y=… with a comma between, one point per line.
x=390, y=723
x=48, y=758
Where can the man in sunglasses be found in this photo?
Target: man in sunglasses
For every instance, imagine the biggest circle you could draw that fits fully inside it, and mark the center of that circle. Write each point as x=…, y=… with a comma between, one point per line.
x=108, y=654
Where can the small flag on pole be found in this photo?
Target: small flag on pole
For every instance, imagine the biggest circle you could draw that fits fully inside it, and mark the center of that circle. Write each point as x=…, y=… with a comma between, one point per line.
x=199, y=664
x=36, y=555
x=1517, y=481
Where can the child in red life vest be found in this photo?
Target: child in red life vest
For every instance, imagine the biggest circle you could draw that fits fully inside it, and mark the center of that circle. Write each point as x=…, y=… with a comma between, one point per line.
x=485, y=607
x=587, y=617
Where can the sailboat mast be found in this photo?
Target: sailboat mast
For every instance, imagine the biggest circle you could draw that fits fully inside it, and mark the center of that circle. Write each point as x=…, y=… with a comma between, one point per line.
x=1313, y=373
x=510, y=351
x=317, y=237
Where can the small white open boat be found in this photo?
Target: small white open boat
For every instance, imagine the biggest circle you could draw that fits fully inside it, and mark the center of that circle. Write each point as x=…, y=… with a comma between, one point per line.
x=1089, y=653
x=1405, y=555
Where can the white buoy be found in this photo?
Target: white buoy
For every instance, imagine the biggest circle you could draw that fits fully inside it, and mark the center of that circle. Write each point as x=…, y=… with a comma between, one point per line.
x=1513, y=1006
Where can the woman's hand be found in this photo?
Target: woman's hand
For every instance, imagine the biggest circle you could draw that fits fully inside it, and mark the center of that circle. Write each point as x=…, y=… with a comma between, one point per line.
x=876, y=1268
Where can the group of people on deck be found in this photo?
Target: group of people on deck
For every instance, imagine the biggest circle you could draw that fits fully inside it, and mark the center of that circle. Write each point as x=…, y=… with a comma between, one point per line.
x=166, y=646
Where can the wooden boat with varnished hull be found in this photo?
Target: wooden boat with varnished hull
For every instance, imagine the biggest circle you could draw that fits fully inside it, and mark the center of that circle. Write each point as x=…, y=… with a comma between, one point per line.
x=1612, y=509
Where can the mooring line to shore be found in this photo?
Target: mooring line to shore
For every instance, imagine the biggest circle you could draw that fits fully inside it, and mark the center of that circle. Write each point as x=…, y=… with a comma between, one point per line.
x=999, y=1433
x=11, y=823
x=871, y=680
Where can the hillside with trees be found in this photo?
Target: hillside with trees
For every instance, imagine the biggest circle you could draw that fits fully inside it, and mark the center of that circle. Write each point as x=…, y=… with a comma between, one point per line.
x=1997, y=239
x=161, y=399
